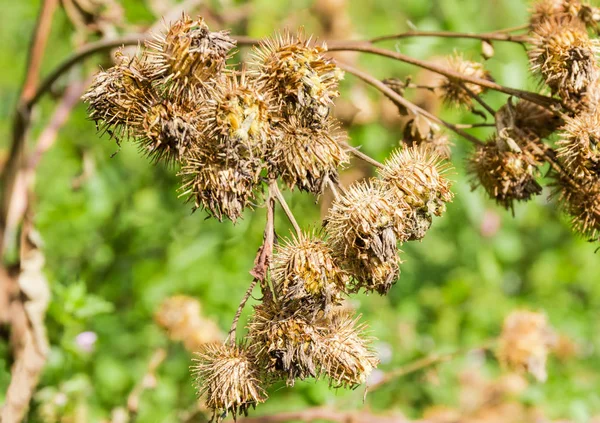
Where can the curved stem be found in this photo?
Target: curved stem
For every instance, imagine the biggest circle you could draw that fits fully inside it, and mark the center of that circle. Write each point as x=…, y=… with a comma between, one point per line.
x=492, y=36
x=398, y=99
x=525, y=95
x=478, y=99
x=238, y=313
x=362, y=156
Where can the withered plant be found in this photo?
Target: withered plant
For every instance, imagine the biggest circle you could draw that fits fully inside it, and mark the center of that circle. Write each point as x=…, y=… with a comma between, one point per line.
x=237, y=133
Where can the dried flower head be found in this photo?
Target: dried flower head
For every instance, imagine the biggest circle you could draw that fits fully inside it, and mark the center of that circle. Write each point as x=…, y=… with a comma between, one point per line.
x=285, y=343
x=230, y=378
x=305, y=274
x=453, y=90
x=362, y=225
x=525, y=342
x=120, y=97
x=237, y=114
x=564, y=56
x=528, y=119
x=416, y=175
x=295, y=70
x=181, y=317
x=504, y=174
x=421, y=131
x=347, y=356
x=308, y=156
x=188, y=56
x=544, y=10
x=579, y=146
x=580, y=198
x=223, y=186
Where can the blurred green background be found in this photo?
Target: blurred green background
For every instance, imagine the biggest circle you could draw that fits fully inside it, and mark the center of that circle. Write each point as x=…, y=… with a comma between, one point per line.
x=121, y=241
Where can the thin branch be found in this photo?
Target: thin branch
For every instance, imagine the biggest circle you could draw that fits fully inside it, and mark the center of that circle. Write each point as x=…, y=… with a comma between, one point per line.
x=398, y=99
x=475, y=125
x=423, y=363
x=334, y=189
x=542, y=100
x=492, y=36
x=362, y=156
x=233, y=329
x=288, y=212
x=148, y=381
x=478, y=99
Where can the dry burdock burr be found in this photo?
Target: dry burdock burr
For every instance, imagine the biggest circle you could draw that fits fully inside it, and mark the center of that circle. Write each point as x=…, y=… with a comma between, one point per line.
x=239, y=132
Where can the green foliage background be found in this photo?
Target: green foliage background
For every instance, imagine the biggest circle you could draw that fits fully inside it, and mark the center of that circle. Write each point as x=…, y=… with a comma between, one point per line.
x=123, y=241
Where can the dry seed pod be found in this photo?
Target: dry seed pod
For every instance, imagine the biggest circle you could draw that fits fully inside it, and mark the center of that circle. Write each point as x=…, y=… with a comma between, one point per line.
x=416, y=175
x=580, y=198
x=346, y=354
x=505, y=175
x=453, y=90
x=305, y=274
x=120, y=97
x=285, y=343
x=308, y=156
x=525, y=342
x=224, y=187
x=362, y=225
x=188, y=56
x=294, y=69
x=578, y=144
x=528, y=118
x=564, y=56
x=230, y=378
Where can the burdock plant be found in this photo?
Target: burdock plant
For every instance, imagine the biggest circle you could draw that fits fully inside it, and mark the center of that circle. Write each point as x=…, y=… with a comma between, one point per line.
x=237, y=132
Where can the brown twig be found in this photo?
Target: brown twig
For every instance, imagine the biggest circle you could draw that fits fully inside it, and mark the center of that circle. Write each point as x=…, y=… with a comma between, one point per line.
x=539, y=99
x=362, y=156
x=399, y=100
x=478, y=99
x=492, y=36
x=238, y=313
x=265, y=251
x=284, y=206
x=148, y=381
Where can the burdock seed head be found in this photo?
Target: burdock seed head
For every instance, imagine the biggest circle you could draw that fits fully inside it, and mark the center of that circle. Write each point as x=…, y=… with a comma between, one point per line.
x=416, y=175
x=120, y=97
x=453, y=90
x=229, y=377
x=307, y=156
x=346, y=353
x=305, y=274
x=188, y=56
x=564, y=56
x=579, y=146
x=363, y=225
x=525, y=342
x=505, y=175
x=285, y=343
x=297, y=73
x=579, y=196
x=224, y=187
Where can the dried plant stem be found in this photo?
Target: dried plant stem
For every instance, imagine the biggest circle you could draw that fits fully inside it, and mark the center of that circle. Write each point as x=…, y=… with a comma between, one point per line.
x=423, y=363
x=478, y=99
x=492, y=36
x=238, y=313
x=334, y=189
x=288, y=212
x=362, y=156
x=398, y=99
x=539, y=99
x=475, y=125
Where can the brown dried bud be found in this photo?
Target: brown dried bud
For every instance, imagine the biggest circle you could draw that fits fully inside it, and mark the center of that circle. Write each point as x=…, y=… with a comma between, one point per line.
x=504, y=174
x=580, y=198
x=188, y=56
x=416, y=176
x=308, y=156
x=297, y=73
x=525, y=342
x=453, y=90
x=346, y=354
x=305, y=274
x=230, y=378
x=286, y=344
x=579, y=144
x=181, y=317
x=564, y=56
x=120, y=97
x=224, y=187
x=362, y=225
